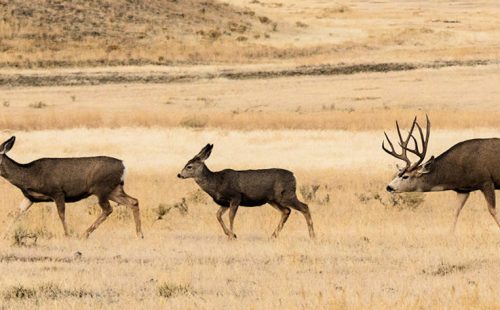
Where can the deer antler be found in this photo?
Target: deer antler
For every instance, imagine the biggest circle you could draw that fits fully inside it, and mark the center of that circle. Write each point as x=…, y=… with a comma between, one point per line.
x=425, y=143
x=404, y=144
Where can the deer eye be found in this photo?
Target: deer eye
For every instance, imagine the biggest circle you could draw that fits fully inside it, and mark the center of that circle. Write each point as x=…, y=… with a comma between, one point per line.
x=405, y=177
x=190, y=167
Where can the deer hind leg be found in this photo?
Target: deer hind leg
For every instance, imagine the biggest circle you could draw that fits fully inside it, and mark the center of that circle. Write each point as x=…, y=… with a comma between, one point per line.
x=106, y=211
x=220, y=213
x=61, y=210
x=119, y=196
x=304, y=209
x=462, y=199
x=285, y=213
x=233, y=208
x=489, y=195
x=23, y=208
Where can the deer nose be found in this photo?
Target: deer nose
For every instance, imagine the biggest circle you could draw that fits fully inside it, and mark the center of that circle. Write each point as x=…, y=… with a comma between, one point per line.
x=389, y=189
x=179, y=175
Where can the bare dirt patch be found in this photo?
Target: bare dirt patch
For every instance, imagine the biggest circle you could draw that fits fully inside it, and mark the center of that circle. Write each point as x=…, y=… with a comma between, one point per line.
x=110, y=77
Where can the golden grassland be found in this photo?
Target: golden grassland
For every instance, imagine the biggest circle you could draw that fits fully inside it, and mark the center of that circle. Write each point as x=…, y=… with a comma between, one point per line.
x=456, y=97
x=372, y=250
x=50, y=33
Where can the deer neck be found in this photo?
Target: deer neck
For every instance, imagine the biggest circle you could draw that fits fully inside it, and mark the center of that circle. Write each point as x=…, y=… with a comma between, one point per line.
x=207, y=181
x=439, y=179
x=15, y=173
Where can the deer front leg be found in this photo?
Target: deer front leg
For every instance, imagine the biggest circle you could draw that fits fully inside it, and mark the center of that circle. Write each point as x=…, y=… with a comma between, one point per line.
x=220, y=213
x=233, y=208
x=23, y=208
x=462, y=199
x=489, y=195
x=61, y=210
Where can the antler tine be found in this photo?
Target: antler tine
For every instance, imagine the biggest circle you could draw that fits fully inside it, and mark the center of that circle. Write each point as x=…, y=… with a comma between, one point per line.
x=392, y=152
x=416, y=150
x=425, y=142
x=404, y=144
x=390, y=143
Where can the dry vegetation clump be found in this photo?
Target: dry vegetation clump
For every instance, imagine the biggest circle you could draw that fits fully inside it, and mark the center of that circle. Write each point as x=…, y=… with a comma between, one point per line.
x=169, y=290
x=403, y=201
x=48, y=291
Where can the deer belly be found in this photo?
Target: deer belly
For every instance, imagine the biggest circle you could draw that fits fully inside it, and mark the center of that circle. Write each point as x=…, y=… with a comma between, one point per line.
x=37, y=197
x=252, y=202
x=74, y=197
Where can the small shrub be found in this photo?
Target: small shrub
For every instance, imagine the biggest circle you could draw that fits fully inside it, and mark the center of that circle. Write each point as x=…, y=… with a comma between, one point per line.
x=301, y=24
x=331, y=107
x=19, y=292
x=214, y=34
x=23, y=237
x=182, y=206
x=6, y=104
x=193, y=122
x=408, y=201
x=169, y=290
x=49, y=290
x=311, y=193
x=161, y=211
x=444, y=269
x=198, y=197
x=38, y=105
x=264, y=19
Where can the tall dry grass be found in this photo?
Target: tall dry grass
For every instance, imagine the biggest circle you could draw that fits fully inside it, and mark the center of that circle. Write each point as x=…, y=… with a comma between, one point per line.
x=369, y=253
x=361, y=120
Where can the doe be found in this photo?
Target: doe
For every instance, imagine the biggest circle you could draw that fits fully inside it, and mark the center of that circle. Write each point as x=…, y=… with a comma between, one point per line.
x=68, y=180
x=248, y=188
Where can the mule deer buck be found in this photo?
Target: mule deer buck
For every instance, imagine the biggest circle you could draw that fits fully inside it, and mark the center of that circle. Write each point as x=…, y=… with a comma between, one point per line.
x=68, y=180
x=248, y=188
x=466, y=167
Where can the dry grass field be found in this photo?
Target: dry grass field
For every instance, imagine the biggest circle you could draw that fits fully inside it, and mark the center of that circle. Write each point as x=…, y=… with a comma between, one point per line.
x=280, y=97
x=45, y=33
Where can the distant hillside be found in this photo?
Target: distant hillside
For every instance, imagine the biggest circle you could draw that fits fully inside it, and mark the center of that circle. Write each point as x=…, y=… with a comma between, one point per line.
x=43, y=33
x=59, y=32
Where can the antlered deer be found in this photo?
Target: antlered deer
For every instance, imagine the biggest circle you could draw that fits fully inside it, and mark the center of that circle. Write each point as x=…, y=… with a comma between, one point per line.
x=68, y=180
x=466, y=167
x=249, y=188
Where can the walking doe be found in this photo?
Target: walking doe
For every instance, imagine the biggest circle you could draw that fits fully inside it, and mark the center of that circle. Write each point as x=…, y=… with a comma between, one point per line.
x=68, y=180
x=248, y=188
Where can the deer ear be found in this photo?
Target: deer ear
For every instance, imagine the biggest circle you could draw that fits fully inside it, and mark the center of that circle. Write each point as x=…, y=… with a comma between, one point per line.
x=427, y=167
x=7, y=145
x=205, y=152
